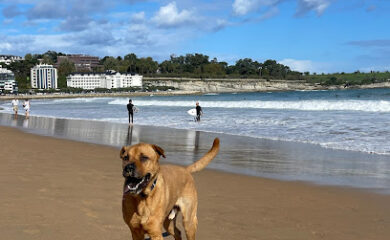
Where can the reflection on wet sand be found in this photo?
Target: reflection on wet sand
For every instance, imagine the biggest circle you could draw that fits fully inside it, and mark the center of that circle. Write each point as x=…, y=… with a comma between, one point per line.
x=259, y=157
x=25, y=123
x=193, y=144
x=132, y=136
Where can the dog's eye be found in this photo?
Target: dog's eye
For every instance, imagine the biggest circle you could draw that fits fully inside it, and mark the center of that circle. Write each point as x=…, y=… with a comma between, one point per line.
x=144, y=158
x=126, y=158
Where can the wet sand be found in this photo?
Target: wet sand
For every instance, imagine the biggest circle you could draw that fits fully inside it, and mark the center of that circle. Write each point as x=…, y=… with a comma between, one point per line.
x=61, y=189
x=242, y=155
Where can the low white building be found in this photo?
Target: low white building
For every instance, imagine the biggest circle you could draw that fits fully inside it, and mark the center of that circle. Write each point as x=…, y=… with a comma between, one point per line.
x=109, y=79
x=7, y=81
x=44, y=76
x=8, y=59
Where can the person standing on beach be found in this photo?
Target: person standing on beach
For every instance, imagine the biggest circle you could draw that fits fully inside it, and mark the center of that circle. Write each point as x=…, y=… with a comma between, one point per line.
x=130, y=109
x=15, y=106
x=26, y=106
x=198, y=112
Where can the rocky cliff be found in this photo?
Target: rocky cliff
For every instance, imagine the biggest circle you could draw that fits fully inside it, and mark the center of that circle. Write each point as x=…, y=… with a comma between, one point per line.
x=244, y=85
x=230, y=85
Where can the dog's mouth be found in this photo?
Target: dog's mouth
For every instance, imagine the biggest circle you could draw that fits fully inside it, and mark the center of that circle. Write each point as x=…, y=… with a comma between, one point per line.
x=135, y=185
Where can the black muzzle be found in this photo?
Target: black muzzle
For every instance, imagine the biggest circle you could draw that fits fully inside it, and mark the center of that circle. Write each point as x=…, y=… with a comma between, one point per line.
x=129, y=170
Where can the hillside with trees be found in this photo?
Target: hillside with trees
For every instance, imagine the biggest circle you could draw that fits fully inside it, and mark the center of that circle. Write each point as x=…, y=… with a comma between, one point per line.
x=194, y=66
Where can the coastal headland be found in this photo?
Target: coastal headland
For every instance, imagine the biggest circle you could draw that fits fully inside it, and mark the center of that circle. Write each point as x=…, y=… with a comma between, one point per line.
x=206, y=85
x=72, y=190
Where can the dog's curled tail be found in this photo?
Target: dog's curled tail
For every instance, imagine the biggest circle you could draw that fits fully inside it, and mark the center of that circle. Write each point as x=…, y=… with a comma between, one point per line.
x=206, y=159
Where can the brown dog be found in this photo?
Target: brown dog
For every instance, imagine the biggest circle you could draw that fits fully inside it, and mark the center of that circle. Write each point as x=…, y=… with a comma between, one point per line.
x=152, y=194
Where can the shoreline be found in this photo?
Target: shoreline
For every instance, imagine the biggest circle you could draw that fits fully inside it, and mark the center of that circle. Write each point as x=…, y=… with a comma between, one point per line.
x=281, y=160
x=189, y=92
x=93, y=95
x=74, y=192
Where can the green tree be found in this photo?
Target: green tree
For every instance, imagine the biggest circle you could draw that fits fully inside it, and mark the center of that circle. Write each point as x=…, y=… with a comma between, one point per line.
x=247, y=67
x=146, y=66
x=64, y=69
x=214, y=69
x=47, y=60
x=168, y=67
x=110, y=63
x=274, y=69
x=52, y=55
x=28, y=57
x=131, y=60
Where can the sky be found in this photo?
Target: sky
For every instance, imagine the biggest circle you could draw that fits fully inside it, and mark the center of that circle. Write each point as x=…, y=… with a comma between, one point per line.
x=307, y=35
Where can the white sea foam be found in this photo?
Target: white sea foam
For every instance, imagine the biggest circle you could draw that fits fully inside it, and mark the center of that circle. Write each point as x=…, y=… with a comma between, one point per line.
x=302, y=105
x=76, y=100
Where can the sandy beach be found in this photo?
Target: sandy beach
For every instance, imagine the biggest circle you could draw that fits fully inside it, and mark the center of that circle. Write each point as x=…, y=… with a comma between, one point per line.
x=61, y=189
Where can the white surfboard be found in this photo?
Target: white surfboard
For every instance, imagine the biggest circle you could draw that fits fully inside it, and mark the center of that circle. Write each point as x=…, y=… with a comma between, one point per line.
x=192, y=112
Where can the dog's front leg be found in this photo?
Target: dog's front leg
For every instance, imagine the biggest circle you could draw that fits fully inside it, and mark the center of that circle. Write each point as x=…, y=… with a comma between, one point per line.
x=156, y=235
x=154, y=231
x=138, y=234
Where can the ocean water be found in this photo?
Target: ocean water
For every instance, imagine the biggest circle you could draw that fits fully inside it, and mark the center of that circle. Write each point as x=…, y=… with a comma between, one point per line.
x=354, y=120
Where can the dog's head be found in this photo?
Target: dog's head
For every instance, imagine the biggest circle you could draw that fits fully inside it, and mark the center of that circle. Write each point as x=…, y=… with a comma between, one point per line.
x=140, y=165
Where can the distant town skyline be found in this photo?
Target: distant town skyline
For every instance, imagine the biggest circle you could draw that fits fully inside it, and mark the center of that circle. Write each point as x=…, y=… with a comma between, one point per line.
x=307, y=35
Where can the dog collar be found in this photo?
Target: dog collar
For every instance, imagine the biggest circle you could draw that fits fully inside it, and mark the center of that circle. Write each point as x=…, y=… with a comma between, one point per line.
x=153, y=185
x=143, y=195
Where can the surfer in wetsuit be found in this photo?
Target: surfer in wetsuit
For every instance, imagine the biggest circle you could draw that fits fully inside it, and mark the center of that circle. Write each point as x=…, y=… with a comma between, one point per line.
x=198, y=112
x=130, y=107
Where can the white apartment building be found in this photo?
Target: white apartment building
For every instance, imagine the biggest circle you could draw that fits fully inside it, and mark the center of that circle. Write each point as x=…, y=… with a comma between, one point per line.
x=7, y=81
x=44, y=76
x=109, y=79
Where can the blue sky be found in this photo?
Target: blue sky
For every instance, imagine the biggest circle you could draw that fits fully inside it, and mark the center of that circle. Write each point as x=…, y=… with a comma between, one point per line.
x=307, y=35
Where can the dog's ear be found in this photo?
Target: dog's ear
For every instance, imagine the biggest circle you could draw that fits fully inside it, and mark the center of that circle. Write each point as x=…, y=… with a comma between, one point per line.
x=158, y=150
x=122, y=152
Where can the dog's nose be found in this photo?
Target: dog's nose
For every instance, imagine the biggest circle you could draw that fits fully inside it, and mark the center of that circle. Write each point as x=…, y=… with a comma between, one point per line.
x=128, y=169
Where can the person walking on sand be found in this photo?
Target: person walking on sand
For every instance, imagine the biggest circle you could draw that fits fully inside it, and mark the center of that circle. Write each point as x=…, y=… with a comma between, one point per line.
x=15, y=106
x=130, y=109
x=198, y=112
x=26, y=106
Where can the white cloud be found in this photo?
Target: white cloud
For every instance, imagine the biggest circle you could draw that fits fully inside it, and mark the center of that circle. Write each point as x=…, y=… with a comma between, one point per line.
x=5, y=46
x=318, y=6
x=138, y=17
x=380, y=68
x=8, y=21
x=316, y=67
x=170, y=16
x=301, y=65
x=243, y=7
x=103, y=40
